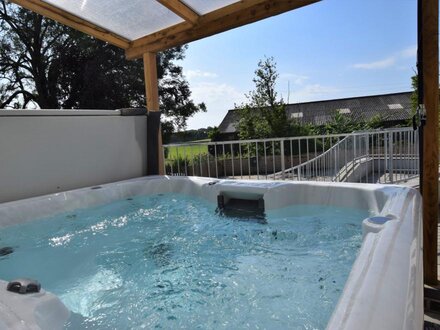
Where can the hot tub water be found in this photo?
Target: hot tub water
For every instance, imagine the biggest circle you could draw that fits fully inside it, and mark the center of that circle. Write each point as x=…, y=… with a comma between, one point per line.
x=170, y=261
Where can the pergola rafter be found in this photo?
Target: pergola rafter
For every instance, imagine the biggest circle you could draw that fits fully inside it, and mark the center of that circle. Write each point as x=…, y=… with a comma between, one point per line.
x=181, y=9
x=224, y=19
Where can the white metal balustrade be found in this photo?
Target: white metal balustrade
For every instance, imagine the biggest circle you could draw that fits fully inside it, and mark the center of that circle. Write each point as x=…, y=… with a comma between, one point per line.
x=382, y=156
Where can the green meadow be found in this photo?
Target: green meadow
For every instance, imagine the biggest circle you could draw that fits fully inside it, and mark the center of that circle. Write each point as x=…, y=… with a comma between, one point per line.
x=188, y=152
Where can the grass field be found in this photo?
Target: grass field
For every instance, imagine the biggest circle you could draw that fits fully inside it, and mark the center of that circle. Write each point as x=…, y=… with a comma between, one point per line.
x=188, y=151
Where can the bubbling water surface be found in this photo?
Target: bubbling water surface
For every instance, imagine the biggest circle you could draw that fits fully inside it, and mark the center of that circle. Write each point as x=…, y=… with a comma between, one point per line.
x=169, y=261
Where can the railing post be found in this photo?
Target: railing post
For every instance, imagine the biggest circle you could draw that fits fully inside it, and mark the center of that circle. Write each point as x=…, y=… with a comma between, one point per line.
x=367, y=141
x=391, y=165
x=417, y=151
x=215, y=156
x=256, y=158
x=163, y=157
x=354, y=146
x=336, y=153
x=283, y=165
x=385, y=156
x=299, y=159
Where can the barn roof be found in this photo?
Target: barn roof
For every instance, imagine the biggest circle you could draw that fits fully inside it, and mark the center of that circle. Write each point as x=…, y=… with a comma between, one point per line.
x=391, y=107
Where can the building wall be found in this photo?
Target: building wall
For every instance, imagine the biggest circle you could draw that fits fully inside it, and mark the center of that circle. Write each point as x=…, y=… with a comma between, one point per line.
x=43, y=152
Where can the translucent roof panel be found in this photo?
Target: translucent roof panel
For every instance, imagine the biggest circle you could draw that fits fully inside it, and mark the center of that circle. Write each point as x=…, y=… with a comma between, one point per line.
x=344, y=111
x=395, y=106
x=131, y=19
x=203, y=7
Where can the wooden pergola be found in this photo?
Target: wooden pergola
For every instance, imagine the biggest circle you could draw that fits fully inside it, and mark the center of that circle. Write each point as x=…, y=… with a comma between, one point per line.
x=144, y=27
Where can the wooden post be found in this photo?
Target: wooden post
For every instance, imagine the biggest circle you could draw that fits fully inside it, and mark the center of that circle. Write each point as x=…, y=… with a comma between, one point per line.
x=431, y=146
x=152, y=91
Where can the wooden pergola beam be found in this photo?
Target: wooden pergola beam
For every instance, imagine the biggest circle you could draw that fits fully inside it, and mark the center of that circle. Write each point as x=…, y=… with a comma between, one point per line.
x=224, y=19
x=181, y=9
x=172, y=30
x=430, y=60
x=73, y=21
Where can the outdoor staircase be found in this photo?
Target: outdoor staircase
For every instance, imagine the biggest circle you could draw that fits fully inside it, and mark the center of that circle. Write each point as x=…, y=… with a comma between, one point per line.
x=309, y=168
x=432, y=307
x=313, y=167
x=349, y=170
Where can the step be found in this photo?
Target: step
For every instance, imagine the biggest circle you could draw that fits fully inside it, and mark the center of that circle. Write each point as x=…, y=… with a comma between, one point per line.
x=432, y=299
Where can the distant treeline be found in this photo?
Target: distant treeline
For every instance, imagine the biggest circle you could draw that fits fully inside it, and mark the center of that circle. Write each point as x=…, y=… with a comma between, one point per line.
x=191, y=135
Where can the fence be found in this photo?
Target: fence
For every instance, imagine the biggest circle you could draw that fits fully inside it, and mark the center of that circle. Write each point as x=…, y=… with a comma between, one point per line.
x=386, y=156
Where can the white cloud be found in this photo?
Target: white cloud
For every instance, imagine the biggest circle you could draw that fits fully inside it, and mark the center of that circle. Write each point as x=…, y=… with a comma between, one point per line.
x=219, y=98
x=381, y=64
x=390, y=61
x=409, y=52
x=295, y=78
x=199, y=74
x=211, y=92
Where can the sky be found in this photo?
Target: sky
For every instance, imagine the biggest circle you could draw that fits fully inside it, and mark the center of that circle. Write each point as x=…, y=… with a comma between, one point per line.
x=330, y=49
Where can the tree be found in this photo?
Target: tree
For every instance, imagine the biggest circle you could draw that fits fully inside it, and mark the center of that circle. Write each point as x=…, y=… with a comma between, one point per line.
x=214, y=133
x=54, y=66
x=263, y=115
x=341, y=124
x=415, y=94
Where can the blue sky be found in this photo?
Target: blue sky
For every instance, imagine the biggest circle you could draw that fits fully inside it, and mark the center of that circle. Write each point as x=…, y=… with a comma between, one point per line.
x=331, y=49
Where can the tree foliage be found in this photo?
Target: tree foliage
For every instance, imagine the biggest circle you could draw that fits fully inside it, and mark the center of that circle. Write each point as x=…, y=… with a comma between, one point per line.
x=415, y=93
x=341, y=124
x=264, y=114
x=214, y=133
x=48, y=65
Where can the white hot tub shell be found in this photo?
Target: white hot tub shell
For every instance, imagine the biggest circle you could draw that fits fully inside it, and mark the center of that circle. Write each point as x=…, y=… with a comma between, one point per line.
x=384, y=289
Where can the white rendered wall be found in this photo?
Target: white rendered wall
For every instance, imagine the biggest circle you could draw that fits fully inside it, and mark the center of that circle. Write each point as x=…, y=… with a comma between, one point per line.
x=43, y=152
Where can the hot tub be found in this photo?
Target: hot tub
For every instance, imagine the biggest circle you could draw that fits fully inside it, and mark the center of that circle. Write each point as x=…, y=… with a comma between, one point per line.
x=383, y=290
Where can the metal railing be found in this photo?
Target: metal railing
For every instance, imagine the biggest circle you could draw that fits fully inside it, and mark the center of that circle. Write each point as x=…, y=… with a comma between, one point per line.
x=382, y=156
